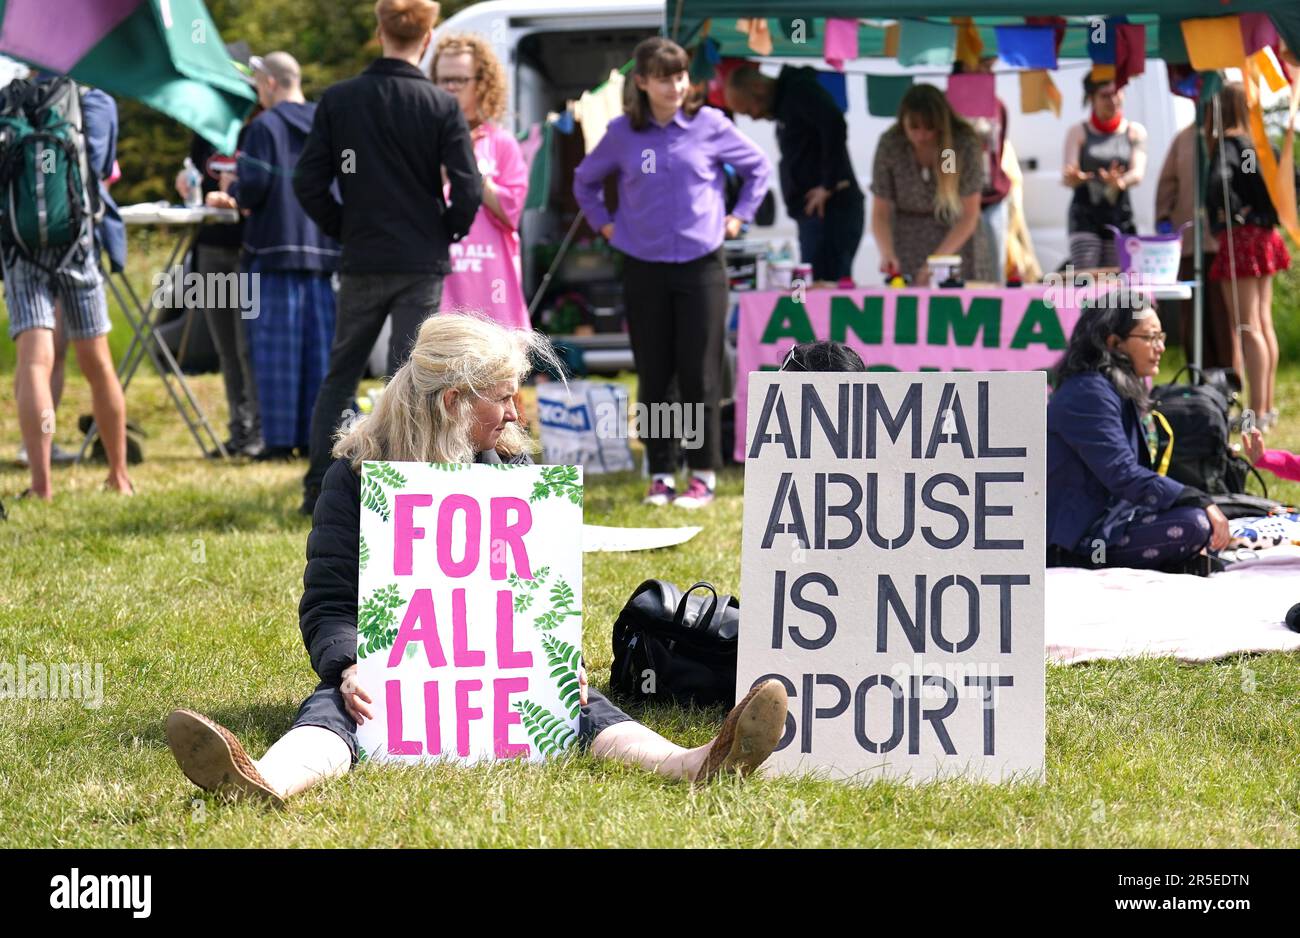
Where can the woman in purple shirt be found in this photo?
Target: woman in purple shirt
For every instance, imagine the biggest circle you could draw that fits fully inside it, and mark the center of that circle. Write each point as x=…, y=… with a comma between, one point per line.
x=668, y=155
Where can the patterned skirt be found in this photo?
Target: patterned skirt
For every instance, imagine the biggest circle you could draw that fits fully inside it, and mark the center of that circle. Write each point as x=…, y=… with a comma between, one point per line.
x=1258, y=252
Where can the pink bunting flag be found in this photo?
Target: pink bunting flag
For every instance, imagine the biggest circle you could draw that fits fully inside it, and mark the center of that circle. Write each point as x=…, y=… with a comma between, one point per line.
x=840, y=42
x=973, y=94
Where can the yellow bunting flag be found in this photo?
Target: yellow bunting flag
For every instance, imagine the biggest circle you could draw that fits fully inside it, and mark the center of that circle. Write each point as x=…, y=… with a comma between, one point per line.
x=1214, y=43
x=1268, y=70
x=1038, y=93
x=760, y=36
x=969, y=44
x=1102, y=72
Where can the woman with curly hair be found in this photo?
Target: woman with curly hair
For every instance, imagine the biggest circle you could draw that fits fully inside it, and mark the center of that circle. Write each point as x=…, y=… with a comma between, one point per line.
x=452, y=401
x=486, y=273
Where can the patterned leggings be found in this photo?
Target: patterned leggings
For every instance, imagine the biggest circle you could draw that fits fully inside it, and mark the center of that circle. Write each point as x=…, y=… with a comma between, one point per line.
x=1153, y=539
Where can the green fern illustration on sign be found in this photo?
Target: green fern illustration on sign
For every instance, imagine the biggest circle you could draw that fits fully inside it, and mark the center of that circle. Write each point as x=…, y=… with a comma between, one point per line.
x=383, y=472
x=549, y=733
x=449, y=466
x=509, y=465
x=363, y=554
x=373, y=497
x=560, y=481
x=563, y=659
x=525, y=599
x=377, y=620
x=561, y=607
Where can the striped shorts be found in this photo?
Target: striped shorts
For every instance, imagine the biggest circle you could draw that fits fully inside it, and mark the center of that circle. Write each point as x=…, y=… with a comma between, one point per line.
x=30, y=293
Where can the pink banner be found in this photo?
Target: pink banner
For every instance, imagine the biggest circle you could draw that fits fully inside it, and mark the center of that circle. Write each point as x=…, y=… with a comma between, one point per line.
x=903, y=330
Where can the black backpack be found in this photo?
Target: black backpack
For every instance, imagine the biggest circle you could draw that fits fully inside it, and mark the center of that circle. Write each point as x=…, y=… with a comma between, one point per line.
x=1199, y=419
x=675, y=646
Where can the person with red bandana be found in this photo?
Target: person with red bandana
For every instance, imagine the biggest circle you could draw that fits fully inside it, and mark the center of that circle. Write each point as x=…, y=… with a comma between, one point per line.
x=1105, y=157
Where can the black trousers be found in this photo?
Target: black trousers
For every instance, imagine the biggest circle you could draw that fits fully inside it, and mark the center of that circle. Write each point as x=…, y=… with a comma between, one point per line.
x=364, y=302
x=676, y=319
x=325, y=708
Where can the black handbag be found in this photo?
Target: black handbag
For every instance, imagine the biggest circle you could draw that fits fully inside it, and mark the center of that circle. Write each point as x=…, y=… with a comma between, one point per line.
x=675, y=646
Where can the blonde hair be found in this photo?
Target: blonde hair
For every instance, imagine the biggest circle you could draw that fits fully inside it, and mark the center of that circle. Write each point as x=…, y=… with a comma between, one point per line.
x=928, y=105
x=406, y=22
x=411, y=421
x=489, y=74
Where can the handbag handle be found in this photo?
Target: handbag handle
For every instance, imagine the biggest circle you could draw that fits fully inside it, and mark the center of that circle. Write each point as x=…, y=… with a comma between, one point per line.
x=1195, y=371
x=707, y=615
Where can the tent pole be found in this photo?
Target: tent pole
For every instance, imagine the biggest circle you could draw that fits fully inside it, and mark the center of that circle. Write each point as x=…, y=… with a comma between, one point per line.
x=677, y=21
x=1198, y=237
x=555, y=264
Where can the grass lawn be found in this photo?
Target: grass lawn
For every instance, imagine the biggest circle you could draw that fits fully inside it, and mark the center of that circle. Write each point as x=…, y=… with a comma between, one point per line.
x=187, y=594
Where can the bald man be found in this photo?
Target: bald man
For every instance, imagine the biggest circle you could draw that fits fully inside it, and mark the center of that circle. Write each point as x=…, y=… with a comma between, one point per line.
x=292, y=325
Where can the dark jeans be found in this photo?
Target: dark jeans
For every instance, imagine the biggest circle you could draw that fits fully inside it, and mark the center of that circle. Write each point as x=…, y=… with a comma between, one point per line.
x=230, y=336
x=364, y=302
x=830, y=243
x=324, y=708
x=676, y=318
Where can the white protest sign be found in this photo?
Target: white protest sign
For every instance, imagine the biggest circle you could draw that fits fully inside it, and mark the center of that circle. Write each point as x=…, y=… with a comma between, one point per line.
x=893, y=571
x=469, y=610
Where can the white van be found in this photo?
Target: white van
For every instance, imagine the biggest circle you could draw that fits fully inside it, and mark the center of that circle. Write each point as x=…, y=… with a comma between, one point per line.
x=555, y=53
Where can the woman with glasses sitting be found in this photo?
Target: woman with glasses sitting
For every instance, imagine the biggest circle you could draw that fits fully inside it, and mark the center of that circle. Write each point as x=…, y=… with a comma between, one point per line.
x=485, y=269
x=1106, y=503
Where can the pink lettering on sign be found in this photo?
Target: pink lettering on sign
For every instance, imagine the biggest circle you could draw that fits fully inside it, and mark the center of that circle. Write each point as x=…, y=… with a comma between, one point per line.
x=405, y=531
x=396, y=745
x=473, y=526
x=503, y=717
x=507, y=657
x=461, y=653
x=510, y=535
x=465, y=713
x=418, y=625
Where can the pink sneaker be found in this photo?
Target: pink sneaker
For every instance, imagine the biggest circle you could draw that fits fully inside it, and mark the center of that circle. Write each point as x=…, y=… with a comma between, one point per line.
x=697, y=495
x=660, y=494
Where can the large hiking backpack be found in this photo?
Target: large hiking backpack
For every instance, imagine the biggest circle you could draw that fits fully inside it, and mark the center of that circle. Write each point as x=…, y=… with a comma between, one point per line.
x=49, y=193
x=1198, y=414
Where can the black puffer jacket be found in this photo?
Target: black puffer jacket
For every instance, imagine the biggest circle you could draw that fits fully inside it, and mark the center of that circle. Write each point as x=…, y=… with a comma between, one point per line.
x=327, y=613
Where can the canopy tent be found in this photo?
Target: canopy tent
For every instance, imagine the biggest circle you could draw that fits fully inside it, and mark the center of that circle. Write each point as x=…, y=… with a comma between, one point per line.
x=685, y=18
x=165, y=53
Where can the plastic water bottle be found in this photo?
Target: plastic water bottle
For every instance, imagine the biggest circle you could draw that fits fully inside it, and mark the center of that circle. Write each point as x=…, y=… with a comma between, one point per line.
x=195, y=180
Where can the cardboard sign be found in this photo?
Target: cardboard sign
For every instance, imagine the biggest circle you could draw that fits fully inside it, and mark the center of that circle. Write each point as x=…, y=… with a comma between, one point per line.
x=893, y=571
x=469, y=610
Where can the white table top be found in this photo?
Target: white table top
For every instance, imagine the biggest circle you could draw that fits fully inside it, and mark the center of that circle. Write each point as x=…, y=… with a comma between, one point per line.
x=155, y=213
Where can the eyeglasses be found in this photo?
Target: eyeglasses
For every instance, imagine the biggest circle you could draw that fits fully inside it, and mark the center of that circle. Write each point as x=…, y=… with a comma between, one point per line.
x=455, y=83
x=1150, y=338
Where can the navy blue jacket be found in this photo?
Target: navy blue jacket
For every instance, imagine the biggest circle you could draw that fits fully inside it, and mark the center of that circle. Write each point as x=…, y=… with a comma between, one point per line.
x=1096, y=448
x=279, y=235
x=99, y=115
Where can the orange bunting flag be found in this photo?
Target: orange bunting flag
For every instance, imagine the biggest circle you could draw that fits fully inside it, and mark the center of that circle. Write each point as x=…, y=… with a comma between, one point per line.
x=1214, y=43
x=969, y=44
x=1038, y=93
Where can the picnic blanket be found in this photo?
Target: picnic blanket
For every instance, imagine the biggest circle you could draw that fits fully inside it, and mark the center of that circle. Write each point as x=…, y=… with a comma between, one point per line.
x=1120, y=613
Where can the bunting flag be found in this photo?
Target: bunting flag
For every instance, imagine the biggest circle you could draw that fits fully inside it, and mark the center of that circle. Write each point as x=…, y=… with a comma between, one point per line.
x=885, y=93
x=837, y=85
x=760, y=35
x=892, y=33
x=798, y=29
x=1257, y=32
x=922, y=43
x=1102, y=44
x=970, y=47
x=1102, y=73
x=841, y=42
x=973, y=94
x=1130, y=52
x=1026, y=46
x=1038, y=93
x=1214, y=43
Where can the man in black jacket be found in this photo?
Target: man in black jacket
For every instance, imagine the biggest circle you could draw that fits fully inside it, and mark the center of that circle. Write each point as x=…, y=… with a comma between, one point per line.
x=821, y=192
x=386, y=138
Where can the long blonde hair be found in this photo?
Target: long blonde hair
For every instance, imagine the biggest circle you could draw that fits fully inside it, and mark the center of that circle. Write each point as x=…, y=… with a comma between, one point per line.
x=928, y=105
x=411, y=421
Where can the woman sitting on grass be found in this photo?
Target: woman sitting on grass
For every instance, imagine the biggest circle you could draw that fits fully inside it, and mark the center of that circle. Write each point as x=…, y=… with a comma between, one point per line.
x=1106, y=505
x=453, y=401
